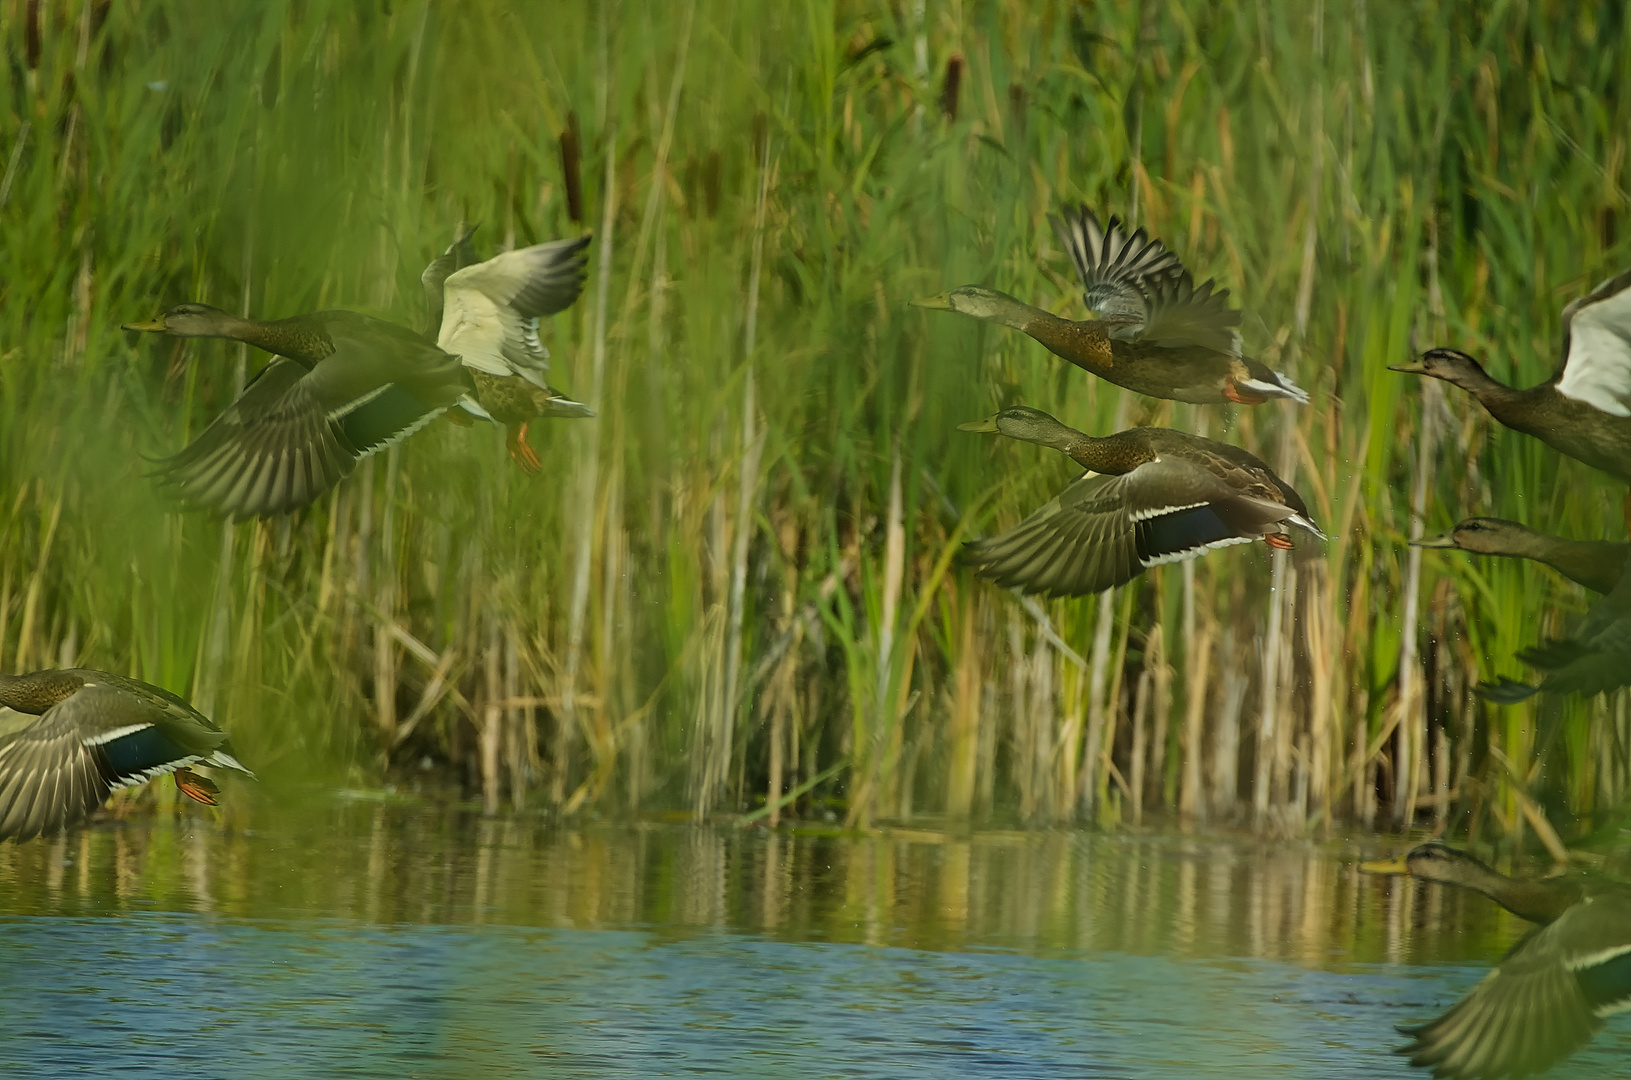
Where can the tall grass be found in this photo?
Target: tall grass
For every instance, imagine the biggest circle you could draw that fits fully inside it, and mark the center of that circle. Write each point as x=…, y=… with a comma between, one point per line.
x=736, y=591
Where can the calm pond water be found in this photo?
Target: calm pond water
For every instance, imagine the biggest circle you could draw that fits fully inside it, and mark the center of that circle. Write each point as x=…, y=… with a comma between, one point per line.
x=363, y=939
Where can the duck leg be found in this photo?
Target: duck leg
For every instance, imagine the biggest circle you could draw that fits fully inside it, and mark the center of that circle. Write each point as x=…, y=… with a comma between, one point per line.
x=195, y=787
x=516, y=440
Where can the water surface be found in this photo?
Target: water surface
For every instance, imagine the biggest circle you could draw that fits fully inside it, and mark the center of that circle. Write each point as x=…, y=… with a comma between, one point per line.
x=376, y=940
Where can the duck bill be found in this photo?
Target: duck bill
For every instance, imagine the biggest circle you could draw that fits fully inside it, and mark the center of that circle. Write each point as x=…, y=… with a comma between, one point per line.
x=942, y=302
x=1444, y=540
x=1409, y=367
x=1394, y=866
x=152, y=326
x=987, y=426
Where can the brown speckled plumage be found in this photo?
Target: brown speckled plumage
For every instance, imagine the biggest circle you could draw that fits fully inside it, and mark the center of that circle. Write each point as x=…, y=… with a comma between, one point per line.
x=1156, y=331
x=1151, y=495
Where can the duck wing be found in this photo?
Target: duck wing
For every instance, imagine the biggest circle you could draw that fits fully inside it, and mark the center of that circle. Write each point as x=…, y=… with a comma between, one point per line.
x=1112, y=263
x=459, y=254
x=1542, y=1002
x=273, y=450
x=1595, y=658
x=1105, y=530
x=1178, y=314
x=1597, y=347
x=491, y=310
x=55, y=769
x=296, y=431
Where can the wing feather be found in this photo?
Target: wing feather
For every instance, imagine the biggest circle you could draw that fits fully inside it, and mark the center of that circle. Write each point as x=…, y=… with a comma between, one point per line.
x=1111, y=262
x=1597, y=347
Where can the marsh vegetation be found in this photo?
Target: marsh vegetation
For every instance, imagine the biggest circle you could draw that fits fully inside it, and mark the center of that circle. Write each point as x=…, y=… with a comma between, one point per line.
x=737, y=590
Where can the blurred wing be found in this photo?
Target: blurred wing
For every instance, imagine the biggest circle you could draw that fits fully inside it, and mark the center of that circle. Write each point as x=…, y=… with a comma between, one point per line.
x=1527, y=1014
x=1081, y=542
x=56, y=769
x=274, y=449
x=1102, y=531
x=1596, y=657
x=1597, y=347
x=1112, y=263
x=1180, y=314
x=490, y=319
x=48, y=778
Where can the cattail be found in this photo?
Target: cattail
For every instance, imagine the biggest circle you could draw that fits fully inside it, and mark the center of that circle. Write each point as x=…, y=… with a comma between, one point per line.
x=948, y=92
x=571, y=152
x=31, y=35
x=1016, y=109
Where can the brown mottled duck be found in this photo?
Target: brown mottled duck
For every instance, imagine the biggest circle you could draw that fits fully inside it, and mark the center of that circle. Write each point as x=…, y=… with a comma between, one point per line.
x=69, y=737
x=341, y=386
x=1150, y=496
x=489, y=319
x=1156, y=334
x=1592, y=657
x=1584, y=409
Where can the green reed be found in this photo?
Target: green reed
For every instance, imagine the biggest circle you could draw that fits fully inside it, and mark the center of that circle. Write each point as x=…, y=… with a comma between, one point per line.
x=736, y=589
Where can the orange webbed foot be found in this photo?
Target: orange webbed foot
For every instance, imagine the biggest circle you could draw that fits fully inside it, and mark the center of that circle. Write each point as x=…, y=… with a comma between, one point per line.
x=520, y=451
x=1232, y=393
x=195, y=787
x=1278, y=540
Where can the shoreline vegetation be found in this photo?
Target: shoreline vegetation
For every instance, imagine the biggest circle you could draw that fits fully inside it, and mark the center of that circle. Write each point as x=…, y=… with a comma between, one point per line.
x=737, y=592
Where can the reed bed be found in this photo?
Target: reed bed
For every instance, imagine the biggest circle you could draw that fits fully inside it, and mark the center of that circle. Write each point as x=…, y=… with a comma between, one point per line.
x=736, y=592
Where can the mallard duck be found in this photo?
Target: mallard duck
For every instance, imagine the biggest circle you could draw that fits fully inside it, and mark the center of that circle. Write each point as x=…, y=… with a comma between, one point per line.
x=69, y=737
x=490, y=313
x=1157, y=333
x=341, y=386
x=1150, y=495
x=1550, y=992
x=1584, y=409
x=1593, y=658
x=1596, y=564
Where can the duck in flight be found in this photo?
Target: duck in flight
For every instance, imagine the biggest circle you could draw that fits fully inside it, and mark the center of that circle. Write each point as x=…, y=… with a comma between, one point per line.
x=1156, y=333
x=1150, y=496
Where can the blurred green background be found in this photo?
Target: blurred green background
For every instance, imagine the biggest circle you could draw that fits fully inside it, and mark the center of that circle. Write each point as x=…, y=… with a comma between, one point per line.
x=736, y=591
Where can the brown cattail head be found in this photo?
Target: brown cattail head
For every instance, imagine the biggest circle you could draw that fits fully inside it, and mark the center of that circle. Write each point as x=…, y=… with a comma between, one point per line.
x=954, y=81
x=31, y=35
x=571, y=166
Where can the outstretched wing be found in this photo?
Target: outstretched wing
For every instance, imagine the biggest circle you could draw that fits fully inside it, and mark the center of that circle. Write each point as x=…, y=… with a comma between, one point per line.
x=1180, y=314
x=1112, y=263
x=274, y=449
x=59, y=767
x=1546, y=998
x=491, y=313
x=459, y=254
x=1597, y=347
x=1102, y=531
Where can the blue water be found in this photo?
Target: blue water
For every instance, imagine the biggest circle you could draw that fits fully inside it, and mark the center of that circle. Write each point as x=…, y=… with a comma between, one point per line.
x=168, y=995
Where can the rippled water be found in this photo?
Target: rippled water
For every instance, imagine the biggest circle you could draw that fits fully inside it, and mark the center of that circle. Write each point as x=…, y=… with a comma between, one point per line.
x=366, y=940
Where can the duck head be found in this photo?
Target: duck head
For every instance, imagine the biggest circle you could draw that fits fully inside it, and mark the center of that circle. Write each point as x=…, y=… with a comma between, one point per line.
x=1431, y=861
x=188, y=320
x=1451, y=365
x=1482, y=535
x=1026, y=423
x=972, y=300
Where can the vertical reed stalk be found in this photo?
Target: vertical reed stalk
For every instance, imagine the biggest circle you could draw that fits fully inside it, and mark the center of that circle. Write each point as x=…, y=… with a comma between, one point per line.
x=588, y=463
x=753, y=441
